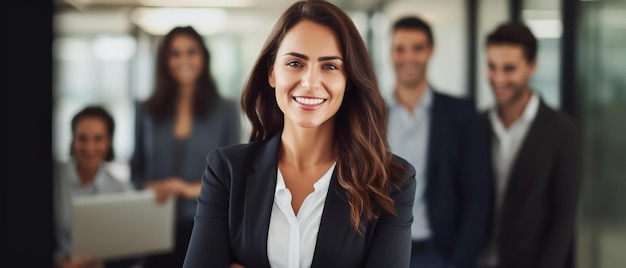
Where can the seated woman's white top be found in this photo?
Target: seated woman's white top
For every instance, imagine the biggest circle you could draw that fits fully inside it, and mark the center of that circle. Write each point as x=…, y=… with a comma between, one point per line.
x=67, y=186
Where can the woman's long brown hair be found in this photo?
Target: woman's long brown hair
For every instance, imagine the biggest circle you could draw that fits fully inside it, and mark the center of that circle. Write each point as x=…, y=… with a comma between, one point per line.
x=364, y=163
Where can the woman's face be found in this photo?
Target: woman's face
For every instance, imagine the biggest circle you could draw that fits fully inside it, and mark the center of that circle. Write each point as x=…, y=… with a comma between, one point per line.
x=91, y=142
x=185, y=59
x=308, y=75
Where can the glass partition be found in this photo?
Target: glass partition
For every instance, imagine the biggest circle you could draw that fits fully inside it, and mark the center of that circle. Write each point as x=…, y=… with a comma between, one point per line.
x=601, y=80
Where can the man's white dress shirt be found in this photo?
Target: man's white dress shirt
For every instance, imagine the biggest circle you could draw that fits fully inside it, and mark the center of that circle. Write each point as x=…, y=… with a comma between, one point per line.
x=408, y=135
x=504, y=150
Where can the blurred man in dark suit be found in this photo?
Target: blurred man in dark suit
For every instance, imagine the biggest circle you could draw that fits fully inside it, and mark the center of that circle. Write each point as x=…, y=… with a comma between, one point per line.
x=536, y=160
x=441, y=136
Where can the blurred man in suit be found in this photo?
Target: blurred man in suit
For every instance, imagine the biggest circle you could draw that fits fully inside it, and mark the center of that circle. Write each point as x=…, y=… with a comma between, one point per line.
x=536, y=159
x=441, y=136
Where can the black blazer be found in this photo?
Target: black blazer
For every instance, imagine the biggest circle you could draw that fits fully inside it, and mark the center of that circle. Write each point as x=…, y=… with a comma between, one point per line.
x=459, y=185
x=538, y=212
x=235, y=204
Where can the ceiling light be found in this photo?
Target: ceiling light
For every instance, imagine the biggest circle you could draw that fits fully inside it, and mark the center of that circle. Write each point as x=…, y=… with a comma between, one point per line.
x=544, y=29
x=196, y=3
x=159, y=21
x=114, y=47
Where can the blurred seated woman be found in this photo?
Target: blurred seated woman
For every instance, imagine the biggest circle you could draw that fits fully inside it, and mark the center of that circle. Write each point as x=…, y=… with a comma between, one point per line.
x=84, y=174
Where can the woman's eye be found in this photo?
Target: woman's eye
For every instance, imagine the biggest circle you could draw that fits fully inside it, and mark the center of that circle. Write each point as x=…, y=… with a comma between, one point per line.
x=330, y=67
x=294, y=64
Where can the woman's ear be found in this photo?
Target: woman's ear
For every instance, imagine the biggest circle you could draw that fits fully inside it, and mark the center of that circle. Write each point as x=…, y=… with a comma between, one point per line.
x=270, y=79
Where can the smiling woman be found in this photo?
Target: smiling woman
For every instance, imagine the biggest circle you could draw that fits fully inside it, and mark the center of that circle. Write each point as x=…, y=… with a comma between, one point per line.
x=85, y=174
x=316, y=186
x=184, y=119
x=308, y=76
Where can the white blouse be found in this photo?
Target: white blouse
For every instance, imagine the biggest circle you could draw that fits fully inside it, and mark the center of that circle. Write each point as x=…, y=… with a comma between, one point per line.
x=291, y=239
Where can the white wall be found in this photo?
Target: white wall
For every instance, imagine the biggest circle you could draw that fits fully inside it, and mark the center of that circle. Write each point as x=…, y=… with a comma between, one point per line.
x=447, y=70
x=490, y=14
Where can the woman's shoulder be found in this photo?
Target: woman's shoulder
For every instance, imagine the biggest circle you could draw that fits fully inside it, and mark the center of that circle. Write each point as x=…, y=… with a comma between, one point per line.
x=233, y=159
x=245, y=154
x=62, y=169
x=140, y=105
x=238, y=150
x=113, y=180
x=61, y=164
x=407, y=182
x=225, y=104
x=141, y=108
x=410, y=170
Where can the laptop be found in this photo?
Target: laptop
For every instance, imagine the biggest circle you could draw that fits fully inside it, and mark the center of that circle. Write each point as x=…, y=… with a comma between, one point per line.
x=117, y=225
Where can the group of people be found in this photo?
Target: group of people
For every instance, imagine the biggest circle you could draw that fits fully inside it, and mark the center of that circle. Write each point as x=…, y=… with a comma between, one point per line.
x=335, y=173
x=496, y=188
x=183, y=119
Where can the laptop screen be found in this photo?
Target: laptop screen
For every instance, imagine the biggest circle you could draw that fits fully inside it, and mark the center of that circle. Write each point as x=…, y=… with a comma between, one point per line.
x=118, y=225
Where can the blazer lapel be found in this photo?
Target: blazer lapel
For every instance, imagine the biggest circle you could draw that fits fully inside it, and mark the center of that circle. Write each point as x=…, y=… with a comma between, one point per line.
x=333, y=226
x=530, y=152
x=434, y=141
x=260, y=188
x=489, y=132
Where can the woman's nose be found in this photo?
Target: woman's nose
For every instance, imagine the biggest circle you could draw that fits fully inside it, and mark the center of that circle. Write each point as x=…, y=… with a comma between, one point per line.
x=310, y=80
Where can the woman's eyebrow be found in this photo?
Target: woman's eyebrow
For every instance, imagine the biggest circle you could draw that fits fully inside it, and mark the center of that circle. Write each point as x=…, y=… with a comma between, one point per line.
x=330, y=58
x=302, y=56
x=295, y=54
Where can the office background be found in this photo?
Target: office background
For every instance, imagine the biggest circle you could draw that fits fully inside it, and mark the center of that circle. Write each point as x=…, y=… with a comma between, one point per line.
x=103, y=51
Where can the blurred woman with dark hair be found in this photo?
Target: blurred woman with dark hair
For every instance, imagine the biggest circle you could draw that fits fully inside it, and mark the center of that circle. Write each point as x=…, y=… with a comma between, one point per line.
x=85, y=174
x=176, y=127
x=316, y=186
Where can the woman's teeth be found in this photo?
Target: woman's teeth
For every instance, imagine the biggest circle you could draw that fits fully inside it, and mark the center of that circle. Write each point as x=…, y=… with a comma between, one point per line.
x=309, y=101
